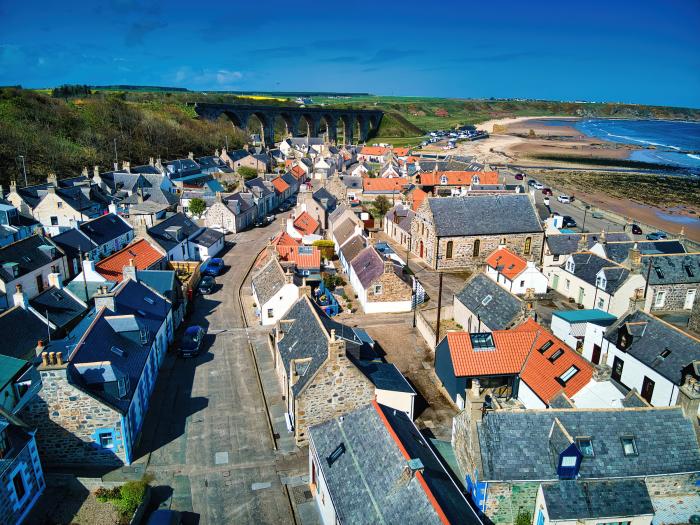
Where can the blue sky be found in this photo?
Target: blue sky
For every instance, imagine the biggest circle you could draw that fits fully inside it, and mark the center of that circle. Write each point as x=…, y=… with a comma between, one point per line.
x=642, y=51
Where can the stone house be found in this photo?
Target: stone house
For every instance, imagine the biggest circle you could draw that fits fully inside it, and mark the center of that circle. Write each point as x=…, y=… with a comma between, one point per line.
x=233, y=213
x=505, y=455
x=672, y=281
x=454, y=233
x=323, y=369
x=483, y=306
x=242, y=157
x=558, y=246
x=379, y=283
x=655, y=358
x=93, y=403
x=274, y=292
x=397, y=224
x=319, y=204
x=27, y=264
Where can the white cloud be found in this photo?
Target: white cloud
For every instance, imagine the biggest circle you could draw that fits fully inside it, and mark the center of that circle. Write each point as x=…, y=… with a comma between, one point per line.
x=207, y=78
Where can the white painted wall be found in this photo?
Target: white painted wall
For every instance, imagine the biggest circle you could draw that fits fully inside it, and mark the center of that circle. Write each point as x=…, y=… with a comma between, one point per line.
x=562, y=329
x=531, y=277
x=462, y=315
x=402, y=401
x=594, y=336
x=280, y=304
x=528, y=398
x=320, y=492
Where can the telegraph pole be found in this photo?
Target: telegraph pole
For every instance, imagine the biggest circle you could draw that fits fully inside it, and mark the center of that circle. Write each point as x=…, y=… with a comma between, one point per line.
x=24, y=170
x=439, y=308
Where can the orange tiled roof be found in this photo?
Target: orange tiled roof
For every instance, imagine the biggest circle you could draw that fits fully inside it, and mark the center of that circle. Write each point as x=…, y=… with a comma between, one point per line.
x=411, y=159
x=507, y=263
x=284, y=239
x=374, y=150
x=305, y=257
x=401, y=152
x=288, y=162
x=384, y=184
x=511, y=348
x=541, y=374
x=280, y=185
x=418, y=198
x=306, y=224
x=141, y=251
x=298, y=171
x=458, y=178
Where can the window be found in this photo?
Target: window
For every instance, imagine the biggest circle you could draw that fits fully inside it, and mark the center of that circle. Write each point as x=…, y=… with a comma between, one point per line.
x=556, y=355
x=528, y=246
x=585, y=445
x=601, y=303
x=629, y=446
x=477, y=248
x=19, y=486
x=106, y=440
x=555, y=258
x=54, y=221
x=450, y=245
x=660, y=299
x=566, y=376
x=601, y=282
x=568, y=461
x=545, y=347
x=567, y=283
x=522, y=283
x=377, y=289
x=270, y=313
x=59, y=204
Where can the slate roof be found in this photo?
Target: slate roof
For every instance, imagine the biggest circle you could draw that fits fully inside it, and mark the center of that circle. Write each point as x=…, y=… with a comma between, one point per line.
x=164, y=282
x=566, y=243
x=137, y=308
x=150, y=185
x=352, y=182
x=368, y=265
x=325, y=199
x=619, y=251
x=499, y=312
x=515, y=444
x=343, y=231
x=207, y=237
x=60, y=306
x=458, y=178
x=483, y=215
x=353, y=247
x=239, y=202
x=73, y=241
x=164, y=239
x=21, y=343
x=401, y=216
x=9, y=368
x=384, y=376
x=365, y=482
x=105, y=228
x=578, y=500
x=141, y=251
x=650, y=337
x=79, y=197
x=28, y=255
x=672, y=269
x=268, y=281
x=587, y=265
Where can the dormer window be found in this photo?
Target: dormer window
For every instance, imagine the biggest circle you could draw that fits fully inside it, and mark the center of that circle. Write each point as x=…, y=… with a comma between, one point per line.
x=568, y=461
x=585, y=445
x=601, y=282
x=629, y=446
x=570, y=266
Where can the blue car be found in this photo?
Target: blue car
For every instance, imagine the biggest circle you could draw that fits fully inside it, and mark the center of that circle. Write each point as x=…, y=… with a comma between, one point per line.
x=191, y=342
x=656, y=236
x=213, y=267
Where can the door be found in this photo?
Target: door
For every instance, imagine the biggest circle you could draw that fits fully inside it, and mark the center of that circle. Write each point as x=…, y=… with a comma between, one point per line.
x=421, y=249
x=580, y=296
x=618, y=364
x=595, y=358
x=40, y=283
x=689, y=299
x=555, y=281
x=647, y=389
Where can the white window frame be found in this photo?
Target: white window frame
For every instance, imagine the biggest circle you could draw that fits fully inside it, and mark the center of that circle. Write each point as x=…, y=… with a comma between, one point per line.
x=378, y=289
x=659, y=298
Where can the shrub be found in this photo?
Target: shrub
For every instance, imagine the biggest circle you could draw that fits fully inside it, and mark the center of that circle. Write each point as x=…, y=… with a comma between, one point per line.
x=247, y=172
x=523, y=518
x=132, y=494
x=197, y=206
x=332, y=281
x=326, y=247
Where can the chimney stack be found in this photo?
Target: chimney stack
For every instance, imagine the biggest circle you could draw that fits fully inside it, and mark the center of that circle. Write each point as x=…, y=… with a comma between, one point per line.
x=96, y=172
x=52, y=179
x=126, y=166
x=55, y=280
x=388, y=266
x=336, y=348
x=44, y=355
x=84, y=173
x=635, y=258
x=190, y=155
x=151, y=161
x=13, y=186
x=105, y=298
x=20, y=298
x=583, y=243
x=129, y=272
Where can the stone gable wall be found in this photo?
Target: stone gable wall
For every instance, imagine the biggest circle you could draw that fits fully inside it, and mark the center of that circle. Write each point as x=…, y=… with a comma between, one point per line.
x=675, y=296
x=67, y=419
x=219, y=215
x=393, y=289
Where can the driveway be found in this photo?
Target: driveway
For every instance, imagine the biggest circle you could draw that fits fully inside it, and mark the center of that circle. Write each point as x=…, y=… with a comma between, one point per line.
x=211, y=450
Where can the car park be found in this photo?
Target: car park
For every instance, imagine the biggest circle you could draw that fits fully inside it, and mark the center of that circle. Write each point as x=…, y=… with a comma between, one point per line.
x=191, y=341
x=565, y=199
x=636, y=229
x=657, y=236
x=207, y=285
x=213, y=267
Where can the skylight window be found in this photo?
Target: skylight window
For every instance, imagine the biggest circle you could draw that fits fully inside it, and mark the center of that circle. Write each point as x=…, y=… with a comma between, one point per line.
x=585, y=445
x=482, y=341
x=556, y=355
x=629, y=445
x=566, y=376
x=659, y=271
x=118, y=351
x=689, y=270
x=665, y=353
x=545, y=347
x=149, y=300
x=486, y=300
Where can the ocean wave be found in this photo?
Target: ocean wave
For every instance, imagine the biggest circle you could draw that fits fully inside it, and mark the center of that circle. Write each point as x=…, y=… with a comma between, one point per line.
x=696, y=157
x=642, y=141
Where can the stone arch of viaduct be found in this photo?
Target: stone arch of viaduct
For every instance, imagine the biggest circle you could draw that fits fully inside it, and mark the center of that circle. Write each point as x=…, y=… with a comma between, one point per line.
x=365, y=120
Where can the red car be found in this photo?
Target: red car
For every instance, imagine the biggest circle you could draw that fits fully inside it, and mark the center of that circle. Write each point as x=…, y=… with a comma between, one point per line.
x=546, y=191
x=519, y=176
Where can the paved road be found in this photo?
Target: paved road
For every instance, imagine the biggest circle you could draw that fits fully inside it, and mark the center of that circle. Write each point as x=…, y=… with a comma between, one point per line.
x=207, y=430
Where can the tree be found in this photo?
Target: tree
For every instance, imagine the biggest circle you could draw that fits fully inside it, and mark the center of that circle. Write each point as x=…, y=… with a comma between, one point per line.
x=381, y=206
x=247, y=172
x=326, y=247
x=197, y=206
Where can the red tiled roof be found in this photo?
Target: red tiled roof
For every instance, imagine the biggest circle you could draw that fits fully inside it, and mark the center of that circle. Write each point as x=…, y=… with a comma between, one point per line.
x=411, y=159
x=401, y=152
x=141, y=251
x=297, y=255
x=458, y=178
x=507, y=263
x=298, y=171
x=541, y=374
x=306, y=224
x=374, y=150
x=507, y=358
x=284, y=239
x=384, y=184
x=418, y=198
x=280, y=185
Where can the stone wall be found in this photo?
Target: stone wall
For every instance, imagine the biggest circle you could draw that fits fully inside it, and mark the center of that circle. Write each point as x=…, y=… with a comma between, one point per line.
x=465, y=443
x=219, y=215
x=67, y=419
x=505, y=501
x=393, y=289
x=675, y=296
x=338, y=388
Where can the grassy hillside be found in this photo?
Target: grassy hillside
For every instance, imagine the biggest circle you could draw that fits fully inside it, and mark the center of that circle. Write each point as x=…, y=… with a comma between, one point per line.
x=62, y=136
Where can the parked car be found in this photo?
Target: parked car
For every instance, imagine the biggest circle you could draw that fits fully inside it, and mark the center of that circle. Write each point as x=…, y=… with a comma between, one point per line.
x=547, y=191
x=564, y=199
x=546, y=201
x=519, y=176
x=597, y=215
x=213, y=267
x=207, y=285
x=657, y=236
x=568, y=221
x=538, y=185
x=165, y=517
x=270, y=218
x=636, y=229
x=191, y=341
x=531, y=182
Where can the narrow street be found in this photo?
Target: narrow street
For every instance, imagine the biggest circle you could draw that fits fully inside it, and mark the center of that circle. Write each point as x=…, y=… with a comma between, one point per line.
x=211, y=449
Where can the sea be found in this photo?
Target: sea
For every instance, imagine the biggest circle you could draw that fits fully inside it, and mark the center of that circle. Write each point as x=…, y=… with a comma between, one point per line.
x=676, y=143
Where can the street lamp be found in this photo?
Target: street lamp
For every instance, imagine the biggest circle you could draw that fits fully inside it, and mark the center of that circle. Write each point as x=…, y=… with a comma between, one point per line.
x=24, y=170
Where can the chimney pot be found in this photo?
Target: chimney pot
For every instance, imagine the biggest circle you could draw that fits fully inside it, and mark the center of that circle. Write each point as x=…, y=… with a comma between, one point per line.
x=52, y=358
x=18, y=288
x=45, y=358
x=59, y=358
